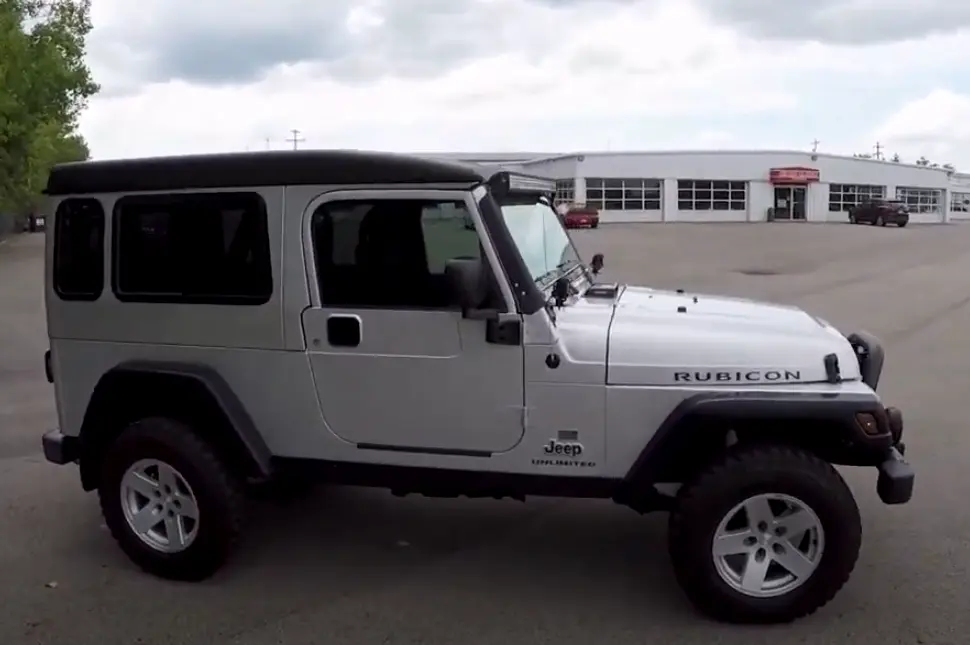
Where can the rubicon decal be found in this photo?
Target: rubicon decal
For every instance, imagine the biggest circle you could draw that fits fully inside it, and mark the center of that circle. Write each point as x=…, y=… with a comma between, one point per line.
x=738, y=376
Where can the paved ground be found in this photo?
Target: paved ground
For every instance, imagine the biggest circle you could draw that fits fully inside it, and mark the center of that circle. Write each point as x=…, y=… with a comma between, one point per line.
x=359, y=566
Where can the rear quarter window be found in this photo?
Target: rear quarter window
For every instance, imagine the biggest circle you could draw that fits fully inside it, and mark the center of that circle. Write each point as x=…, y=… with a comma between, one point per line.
x=78, y=272
x=198, y=248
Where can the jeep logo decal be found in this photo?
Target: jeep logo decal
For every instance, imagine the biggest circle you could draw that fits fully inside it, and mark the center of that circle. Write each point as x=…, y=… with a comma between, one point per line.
x=567, y=448
x=749, y=376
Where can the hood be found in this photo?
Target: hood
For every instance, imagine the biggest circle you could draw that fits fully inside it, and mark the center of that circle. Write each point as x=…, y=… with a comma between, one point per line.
x=673, y=338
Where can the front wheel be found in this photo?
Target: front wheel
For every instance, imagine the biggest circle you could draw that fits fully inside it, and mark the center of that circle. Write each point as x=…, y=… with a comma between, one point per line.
x=169, y=501
x=768, y=535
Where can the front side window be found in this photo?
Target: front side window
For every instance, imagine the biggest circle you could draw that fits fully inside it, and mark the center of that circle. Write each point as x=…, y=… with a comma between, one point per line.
x=541, y=239
x=79, y=249
x=390, y=253
x=201, y=248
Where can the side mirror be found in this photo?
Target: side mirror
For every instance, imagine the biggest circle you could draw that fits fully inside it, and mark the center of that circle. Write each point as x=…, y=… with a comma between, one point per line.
x=467, y=283
x=597, y=264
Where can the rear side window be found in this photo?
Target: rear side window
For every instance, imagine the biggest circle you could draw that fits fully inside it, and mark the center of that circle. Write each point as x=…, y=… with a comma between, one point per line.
x=201, y=248
x=79, y=249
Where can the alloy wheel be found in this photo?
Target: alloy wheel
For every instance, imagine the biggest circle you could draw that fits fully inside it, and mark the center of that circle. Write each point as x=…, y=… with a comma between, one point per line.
x=159, y=506
x=768, y=545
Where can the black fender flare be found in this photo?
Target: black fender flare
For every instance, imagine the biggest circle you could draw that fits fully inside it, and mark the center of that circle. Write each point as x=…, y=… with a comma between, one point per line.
x=829, y=423
x=249, y=444
x=870, y=355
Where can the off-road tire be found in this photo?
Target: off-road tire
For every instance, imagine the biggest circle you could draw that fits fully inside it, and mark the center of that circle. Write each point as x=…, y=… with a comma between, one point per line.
x=703, y=503
x=217, y=491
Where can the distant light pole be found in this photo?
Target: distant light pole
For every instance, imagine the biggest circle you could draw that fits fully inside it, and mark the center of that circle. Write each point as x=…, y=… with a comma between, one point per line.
x=296, y=139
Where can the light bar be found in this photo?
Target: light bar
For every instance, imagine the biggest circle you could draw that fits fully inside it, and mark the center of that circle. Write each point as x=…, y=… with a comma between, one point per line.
x=521, y=183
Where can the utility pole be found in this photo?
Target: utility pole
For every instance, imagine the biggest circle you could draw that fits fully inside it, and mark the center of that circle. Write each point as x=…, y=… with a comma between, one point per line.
x=296, y=139
x=878, y=148
x=815, y=145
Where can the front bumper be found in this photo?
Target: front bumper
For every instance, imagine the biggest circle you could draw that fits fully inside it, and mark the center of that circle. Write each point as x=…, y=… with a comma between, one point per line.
x=896, y=477
x=59, y=448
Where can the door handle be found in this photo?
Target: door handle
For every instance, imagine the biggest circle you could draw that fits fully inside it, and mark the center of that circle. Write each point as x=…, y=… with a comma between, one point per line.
x=344, y=330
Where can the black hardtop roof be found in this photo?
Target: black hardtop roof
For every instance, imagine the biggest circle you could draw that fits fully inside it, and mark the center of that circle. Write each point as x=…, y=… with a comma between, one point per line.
x=252, y=169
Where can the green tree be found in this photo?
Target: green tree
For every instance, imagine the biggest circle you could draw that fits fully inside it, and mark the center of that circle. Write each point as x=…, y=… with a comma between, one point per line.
x=44, y=86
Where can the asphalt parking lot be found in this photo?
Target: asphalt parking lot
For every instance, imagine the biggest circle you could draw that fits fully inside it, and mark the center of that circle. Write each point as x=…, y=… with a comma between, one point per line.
x=360, y=566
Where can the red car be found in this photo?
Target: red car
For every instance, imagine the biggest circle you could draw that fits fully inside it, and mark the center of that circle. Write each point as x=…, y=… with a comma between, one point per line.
x=581, y=217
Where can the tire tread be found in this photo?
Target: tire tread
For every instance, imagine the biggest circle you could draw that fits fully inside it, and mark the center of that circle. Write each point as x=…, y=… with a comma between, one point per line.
x=740, y=467
x=221, y=483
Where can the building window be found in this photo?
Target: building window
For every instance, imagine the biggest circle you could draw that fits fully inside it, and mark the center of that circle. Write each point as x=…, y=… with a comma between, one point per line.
x=843, y=197
x=79, y=249
x=200, y=248
x=624, y=194
x=960, y=202
x=708, y=195
x=565, y=192
x=920, y=200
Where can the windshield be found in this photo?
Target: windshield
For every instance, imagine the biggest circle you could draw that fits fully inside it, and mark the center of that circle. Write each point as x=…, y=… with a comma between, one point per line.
x=541, y=239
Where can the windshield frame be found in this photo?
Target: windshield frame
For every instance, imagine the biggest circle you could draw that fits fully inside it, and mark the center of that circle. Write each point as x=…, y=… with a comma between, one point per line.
x=543, y=283
x=527, y=297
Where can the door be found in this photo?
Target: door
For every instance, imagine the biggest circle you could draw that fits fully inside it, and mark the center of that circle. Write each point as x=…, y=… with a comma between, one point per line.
x=783, y=202
x=790, y=203
x=798, y=203
x=396, y=365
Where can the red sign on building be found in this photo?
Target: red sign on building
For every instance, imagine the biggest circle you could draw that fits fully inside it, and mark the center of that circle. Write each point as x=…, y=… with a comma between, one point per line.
x=794, y=175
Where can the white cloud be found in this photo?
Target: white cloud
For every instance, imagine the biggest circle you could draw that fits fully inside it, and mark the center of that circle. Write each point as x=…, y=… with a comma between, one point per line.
x=937, y=125
x=635, y=74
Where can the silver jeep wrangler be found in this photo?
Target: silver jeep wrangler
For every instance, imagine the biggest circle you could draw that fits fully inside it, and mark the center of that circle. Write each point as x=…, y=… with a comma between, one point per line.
x=429, y=327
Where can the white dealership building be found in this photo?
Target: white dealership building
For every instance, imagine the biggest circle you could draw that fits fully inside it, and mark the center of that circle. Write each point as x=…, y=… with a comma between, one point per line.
x=737, y=186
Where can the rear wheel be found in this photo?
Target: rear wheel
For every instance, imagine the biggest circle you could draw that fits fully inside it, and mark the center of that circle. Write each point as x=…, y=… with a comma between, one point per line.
x=170, y=502
x=768, y=535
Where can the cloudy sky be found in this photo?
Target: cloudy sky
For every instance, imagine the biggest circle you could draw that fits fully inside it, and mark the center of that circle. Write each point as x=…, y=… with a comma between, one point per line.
x=540, y=75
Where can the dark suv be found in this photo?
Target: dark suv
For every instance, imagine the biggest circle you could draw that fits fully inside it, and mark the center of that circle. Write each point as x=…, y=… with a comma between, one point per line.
x=880, y=212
